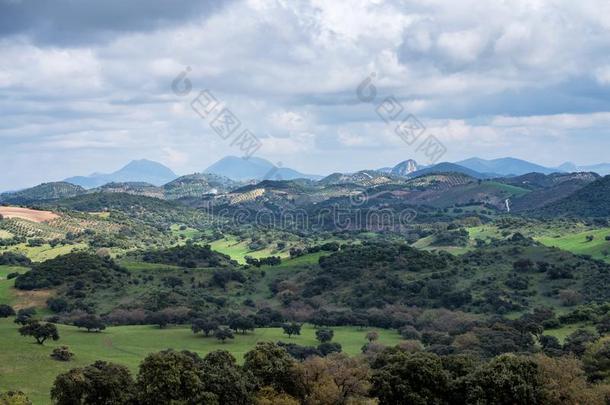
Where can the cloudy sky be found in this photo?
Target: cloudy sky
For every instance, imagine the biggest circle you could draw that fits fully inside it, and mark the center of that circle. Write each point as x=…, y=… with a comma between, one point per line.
x=87, y=85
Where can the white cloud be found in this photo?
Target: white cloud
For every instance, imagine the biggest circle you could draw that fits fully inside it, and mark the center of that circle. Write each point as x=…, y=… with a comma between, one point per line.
x=467, y=68
x=462, y=46
x=603, y=75
x=348, y=138
x=289, y=121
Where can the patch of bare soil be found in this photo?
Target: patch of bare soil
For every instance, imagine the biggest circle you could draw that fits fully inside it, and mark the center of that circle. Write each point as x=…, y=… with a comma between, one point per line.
x=28, y=214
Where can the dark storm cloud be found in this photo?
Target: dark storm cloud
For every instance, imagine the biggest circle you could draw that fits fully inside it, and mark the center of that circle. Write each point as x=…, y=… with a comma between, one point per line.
x=78, y=22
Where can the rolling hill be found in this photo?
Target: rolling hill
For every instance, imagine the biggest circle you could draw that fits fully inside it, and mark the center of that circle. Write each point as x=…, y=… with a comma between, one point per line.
x=591, y=201
x=547, y=189
x=197, y=185
x=42, y=192
x=362, y=178
x=447, y=167
x=135, y=188
x=447, y=190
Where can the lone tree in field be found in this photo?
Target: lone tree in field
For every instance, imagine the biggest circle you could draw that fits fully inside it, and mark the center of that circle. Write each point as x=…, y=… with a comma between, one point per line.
x=62, y=353
x=205, y=326
x=324, y=335
x=372, y=336
x=242, y=323
x=40, y=331
x=90, y=322
x=292, y=329
x=223, y=334
x=6, y=311
x=158, y=318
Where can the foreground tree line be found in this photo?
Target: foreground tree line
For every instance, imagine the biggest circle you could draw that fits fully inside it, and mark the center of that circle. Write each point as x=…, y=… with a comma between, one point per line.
x=270, y=376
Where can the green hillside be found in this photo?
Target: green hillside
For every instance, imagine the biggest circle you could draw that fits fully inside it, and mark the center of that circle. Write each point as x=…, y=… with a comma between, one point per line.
x=592, y=201
x=42, y=192
x=592, y=243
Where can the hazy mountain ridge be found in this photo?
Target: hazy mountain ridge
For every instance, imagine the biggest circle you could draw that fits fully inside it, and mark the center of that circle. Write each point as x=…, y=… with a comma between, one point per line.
x=446, y=167
x=505, y=166
x=442, y=185
x=136, y=171
x=603, y=169
x=241, y=169
x=254, y=169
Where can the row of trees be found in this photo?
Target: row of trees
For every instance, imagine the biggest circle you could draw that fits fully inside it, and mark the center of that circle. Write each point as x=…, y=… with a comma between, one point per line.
x=238, y=323
x=269, y=375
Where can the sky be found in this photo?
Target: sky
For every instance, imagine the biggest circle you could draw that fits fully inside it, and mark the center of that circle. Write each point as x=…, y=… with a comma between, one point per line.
x=86, y=86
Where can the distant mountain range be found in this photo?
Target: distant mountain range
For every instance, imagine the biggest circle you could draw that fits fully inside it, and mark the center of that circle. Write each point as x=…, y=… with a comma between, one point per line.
x=145, y=171
x=441, y=186
x=232, y=169
x=602, y=169
x=505, y=166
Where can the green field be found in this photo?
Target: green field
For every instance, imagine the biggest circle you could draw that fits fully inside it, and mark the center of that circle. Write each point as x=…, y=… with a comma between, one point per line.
x=239, y=250
x=484, y=232
x=27, y=366
x=573, y=239
x=188, y=233
x=514, y=190
x=6, y=292
x=563, y=332
x=598, y=248
x=45, y=252
x=427, y=244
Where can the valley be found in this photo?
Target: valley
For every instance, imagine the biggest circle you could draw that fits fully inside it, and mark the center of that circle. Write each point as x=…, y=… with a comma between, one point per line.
x=432, y=261
x=269, y=202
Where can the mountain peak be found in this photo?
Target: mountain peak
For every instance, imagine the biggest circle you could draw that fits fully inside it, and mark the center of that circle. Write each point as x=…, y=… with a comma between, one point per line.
x=568, y=167
x=405, y=168
x=148, y=165
x=142, y=170
x=142, y=162
x=240, y=169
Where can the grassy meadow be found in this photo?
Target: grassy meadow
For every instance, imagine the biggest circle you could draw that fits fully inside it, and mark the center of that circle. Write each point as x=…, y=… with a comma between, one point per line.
x=598, y=248
x=44, y=252
x=7, y=293
x=239, y=250
x=27, y=366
